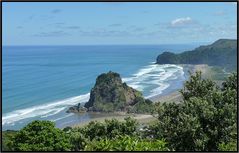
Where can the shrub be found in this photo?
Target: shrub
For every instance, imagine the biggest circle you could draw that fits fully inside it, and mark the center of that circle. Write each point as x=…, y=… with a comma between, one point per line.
x=95, y=131
x=126, y=143
x=41, y=136
x=7, y=142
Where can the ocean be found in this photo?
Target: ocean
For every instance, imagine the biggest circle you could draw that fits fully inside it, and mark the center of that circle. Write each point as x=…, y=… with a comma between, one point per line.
x=41, y=82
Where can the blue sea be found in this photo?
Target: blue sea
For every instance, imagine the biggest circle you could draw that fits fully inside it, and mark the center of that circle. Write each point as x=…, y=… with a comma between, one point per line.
x=41, y=82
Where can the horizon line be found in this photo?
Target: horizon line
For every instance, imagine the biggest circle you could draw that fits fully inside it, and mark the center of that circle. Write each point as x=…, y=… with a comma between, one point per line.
x=189, y=43
x=107, y=44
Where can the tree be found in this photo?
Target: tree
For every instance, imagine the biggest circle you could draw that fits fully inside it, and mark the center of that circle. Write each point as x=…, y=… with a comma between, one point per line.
x=231, y=82
x=197, y=87
x=41, y=136
x=205, y=119
x=95, y=131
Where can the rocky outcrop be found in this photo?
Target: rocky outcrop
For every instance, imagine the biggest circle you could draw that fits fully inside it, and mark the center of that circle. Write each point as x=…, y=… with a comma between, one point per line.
x=77, y=109
x=111, y=94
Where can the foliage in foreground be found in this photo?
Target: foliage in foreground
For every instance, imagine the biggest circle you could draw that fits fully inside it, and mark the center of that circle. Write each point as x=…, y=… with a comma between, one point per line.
x=126, y=143
x=7, y=137
x=204, y=121
x=41, y=136
x=113, y=135
x=96, y=131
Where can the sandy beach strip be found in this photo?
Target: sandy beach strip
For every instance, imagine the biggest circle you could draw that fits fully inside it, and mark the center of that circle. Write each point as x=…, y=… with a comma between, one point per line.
x=141, y=119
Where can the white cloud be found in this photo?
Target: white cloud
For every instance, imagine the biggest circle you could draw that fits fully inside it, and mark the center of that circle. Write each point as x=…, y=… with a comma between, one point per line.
x=181, y=21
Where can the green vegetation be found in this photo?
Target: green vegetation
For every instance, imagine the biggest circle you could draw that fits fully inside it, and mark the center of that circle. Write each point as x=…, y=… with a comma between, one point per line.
x=206, y=120
x=7, y=137
x=109, y=129
x=216, y=73
x=126, y=143
x=142, y=107
x=40, y=136
x=221, y=53
x=112, y=135
x=96, y=131
x=230, y=146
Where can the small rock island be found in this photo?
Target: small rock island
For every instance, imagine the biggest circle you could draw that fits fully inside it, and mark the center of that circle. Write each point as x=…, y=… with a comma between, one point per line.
x=110, y=94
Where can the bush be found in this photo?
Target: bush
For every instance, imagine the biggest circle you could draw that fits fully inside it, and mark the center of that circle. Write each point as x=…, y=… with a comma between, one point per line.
x=107, y=130
x=7, y=142
x=41, y=136
x=126, y=143
x=230, y=146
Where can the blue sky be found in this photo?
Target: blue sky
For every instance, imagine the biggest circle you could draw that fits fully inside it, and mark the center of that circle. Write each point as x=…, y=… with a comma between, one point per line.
x=93, y=23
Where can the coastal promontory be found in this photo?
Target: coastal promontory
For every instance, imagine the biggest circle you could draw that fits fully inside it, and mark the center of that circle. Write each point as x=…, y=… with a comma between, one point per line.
x=222, y=52
x=110, y=94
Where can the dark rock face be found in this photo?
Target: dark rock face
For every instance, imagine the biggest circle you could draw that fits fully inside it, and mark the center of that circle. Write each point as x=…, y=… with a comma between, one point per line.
x=77, y=109
x=110, y=94
x=167, y=58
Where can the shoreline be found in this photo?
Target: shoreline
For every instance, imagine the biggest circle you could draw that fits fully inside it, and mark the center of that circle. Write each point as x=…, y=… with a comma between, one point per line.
x=146, y=118
x=141, y=118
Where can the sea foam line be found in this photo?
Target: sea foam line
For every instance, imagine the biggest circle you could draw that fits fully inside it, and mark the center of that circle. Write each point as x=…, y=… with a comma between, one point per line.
x=54, y=120
x=43, y=110
x=154, y=74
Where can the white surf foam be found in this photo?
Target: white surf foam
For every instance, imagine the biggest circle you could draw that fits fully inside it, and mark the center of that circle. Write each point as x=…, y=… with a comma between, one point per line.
x=54, y=111
x=60, y=118
x=154, y=75
x=45, y=110
x=158, y=90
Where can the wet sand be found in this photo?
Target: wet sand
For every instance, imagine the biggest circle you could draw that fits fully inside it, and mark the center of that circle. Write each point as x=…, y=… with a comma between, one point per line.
x=141, y=118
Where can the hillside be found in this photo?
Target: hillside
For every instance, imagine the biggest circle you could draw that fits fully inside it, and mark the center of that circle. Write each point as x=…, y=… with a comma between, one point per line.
x=221, y=53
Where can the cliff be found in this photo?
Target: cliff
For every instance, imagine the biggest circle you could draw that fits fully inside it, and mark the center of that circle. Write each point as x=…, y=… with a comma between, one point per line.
x=222, y=53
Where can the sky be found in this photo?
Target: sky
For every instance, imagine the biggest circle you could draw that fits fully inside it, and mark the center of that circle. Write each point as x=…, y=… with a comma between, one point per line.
x=109, y=23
